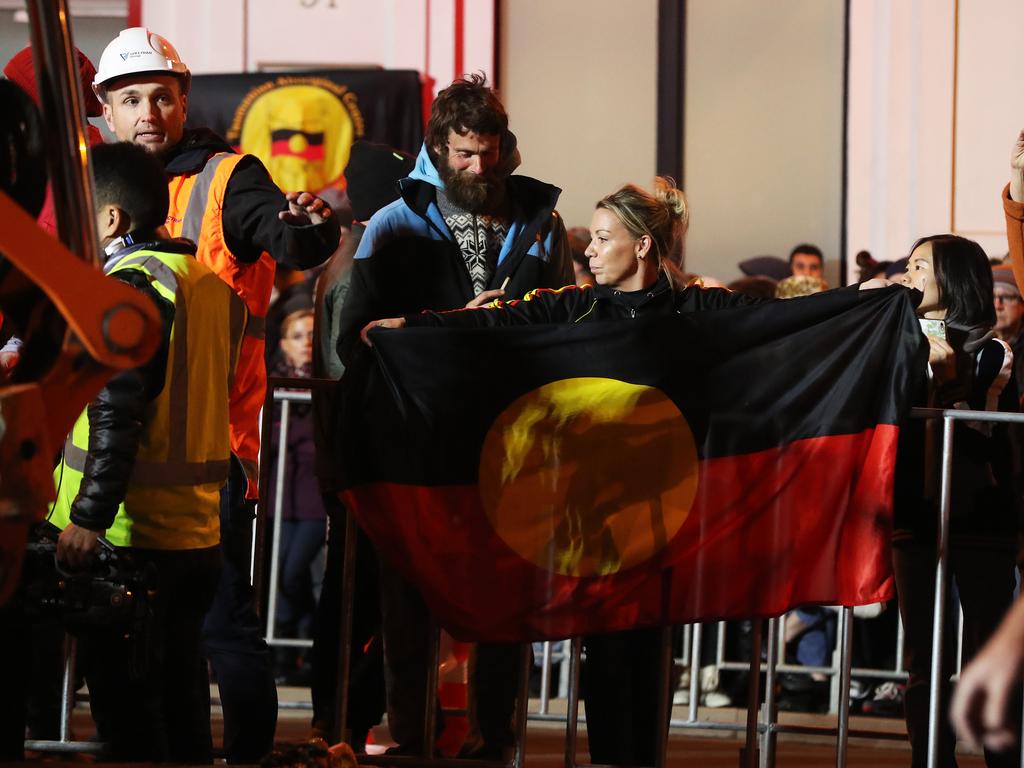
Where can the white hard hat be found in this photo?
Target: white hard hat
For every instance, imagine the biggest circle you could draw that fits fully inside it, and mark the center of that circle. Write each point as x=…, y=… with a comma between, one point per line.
x=137, y=50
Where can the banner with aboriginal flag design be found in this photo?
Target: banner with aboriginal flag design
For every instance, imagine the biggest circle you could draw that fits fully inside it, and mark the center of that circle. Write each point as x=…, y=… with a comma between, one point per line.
x=550, y=481
x=301, y=124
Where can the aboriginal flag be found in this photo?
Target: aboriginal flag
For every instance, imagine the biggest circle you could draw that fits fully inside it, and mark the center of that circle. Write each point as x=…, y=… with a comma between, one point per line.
x=549, y=481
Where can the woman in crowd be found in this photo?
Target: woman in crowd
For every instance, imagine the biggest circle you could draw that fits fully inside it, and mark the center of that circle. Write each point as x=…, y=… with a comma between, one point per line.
x=303, y=518
x=633, y=232
x=969, y=368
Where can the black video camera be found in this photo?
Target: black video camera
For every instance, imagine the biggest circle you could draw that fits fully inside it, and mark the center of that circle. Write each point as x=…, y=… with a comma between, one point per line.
x=113, y=595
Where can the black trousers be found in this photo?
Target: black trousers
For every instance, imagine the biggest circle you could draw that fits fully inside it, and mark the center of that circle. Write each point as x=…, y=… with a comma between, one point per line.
x=162, y=714
x=493, y=672
x=620, y=690
x=16, y=668
x=366, y=662
x=985, y=581
x=233, y=637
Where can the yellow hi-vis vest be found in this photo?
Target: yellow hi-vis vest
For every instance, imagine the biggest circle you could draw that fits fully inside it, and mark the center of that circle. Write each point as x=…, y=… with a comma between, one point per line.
x=173, y=497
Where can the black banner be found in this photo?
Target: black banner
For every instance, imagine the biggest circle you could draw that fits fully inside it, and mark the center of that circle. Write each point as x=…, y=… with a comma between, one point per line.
x=301, y=124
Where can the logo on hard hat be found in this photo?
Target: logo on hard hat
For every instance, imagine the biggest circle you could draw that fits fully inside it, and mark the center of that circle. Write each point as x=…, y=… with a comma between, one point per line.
x=301, y=128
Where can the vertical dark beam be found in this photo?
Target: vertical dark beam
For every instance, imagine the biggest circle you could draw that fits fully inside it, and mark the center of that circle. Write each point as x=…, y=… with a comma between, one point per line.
x=671, y=84
x=460, y=39
x=496, y=64
x=844, y=192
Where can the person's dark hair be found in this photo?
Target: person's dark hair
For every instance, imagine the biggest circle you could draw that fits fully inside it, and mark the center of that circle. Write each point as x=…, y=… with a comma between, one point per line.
x=807, y=248
x=131, y=178
x=964, y=278
x=468, y=104
x=755, y=286
x=663, y=215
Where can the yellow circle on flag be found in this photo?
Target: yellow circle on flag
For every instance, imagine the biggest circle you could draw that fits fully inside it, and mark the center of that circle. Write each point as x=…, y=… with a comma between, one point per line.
x=589, y=476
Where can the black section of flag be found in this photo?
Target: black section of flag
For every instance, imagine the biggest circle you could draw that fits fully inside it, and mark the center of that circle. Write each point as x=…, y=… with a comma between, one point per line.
x=746, y=379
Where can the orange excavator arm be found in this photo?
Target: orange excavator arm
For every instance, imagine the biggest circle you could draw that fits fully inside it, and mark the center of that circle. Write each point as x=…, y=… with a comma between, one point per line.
x=110, y=327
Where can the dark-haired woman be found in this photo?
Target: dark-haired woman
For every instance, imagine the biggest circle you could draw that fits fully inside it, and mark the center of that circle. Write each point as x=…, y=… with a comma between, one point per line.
x=969, y=368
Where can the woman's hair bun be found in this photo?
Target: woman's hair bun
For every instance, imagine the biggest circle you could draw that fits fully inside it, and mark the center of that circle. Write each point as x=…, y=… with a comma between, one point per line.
x=673, y=198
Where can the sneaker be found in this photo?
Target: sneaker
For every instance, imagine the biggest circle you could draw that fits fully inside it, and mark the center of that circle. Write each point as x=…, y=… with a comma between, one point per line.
x=887, y=701
x=682, y=692
x=860, y=692
x=716, y=699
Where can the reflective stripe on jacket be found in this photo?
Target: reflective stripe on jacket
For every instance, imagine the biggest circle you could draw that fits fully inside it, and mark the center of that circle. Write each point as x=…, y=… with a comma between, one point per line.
x=195, y=213
x=173, y=497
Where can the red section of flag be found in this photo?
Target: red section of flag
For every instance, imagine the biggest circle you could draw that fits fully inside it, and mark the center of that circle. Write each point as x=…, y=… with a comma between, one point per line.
x=805, y=523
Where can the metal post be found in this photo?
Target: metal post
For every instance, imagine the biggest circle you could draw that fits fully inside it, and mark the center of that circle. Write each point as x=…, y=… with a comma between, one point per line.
x=898, y=666
x=275, y=542
x=959, y=638
x=63, y=107
x=348, y=581
x=720, y=644
x=67, y=688
x=748, y=756
x=845, y=661
x=695, y=654
x=1020, y=745
x=935, y=682
x=771, y=705
x=259, y=560
x=563, y=669
x=664, y=708
x=430, y=711
x=522, y=701
x=572, y=710
x=545, y=678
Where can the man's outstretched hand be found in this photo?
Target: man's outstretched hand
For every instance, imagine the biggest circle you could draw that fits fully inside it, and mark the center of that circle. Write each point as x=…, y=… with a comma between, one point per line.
x=304, y=208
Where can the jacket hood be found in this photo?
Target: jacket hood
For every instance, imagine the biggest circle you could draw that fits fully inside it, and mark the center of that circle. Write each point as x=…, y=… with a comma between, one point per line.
x=425, y=170
x=190, y=154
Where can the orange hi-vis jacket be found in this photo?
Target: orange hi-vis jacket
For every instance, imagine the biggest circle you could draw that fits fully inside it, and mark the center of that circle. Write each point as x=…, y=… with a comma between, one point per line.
x=195, y=213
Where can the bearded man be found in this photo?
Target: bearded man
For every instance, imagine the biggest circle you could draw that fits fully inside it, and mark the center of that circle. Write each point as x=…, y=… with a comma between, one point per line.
x=464, y=227
x=463, y=231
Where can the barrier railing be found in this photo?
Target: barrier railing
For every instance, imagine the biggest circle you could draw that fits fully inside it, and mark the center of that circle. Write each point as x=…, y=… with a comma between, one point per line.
x=762, y=727
x=284, y=397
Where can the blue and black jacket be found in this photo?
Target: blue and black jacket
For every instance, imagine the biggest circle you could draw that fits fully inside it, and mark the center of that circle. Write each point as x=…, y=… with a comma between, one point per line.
x=408, y=260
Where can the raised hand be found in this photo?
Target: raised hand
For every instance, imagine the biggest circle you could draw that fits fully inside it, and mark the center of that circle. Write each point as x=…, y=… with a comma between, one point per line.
x=1017, y=169
x=484, y=297
x=304, y=208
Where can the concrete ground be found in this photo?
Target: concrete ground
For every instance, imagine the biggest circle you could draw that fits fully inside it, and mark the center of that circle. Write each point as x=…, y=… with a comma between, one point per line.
x=545, y=745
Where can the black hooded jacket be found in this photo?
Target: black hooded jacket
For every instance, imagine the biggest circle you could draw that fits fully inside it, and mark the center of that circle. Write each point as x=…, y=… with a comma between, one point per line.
x=251, y=204
x=408, y=260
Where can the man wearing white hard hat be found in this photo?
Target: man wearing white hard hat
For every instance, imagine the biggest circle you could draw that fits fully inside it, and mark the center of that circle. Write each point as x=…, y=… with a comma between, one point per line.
x=242, y=224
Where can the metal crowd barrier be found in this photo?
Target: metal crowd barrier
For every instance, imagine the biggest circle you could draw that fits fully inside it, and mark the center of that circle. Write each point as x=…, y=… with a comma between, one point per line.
x=762, y=726
x=285, y=398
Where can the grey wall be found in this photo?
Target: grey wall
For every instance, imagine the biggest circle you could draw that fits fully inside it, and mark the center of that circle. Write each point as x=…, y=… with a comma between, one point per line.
x=763, y=136
x=578, y=78
x=91, y=34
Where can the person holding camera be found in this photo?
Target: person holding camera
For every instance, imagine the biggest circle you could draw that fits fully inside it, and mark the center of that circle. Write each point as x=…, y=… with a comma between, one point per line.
x=969, y=368
x=144, y=466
